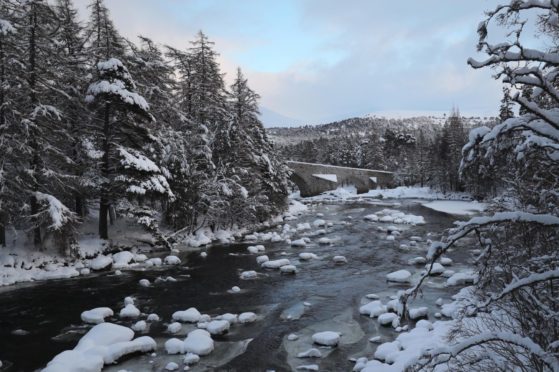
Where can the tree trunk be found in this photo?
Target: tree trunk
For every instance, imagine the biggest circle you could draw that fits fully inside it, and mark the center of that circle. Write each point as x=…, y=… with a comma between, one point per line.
x=103, y=218
x=112, y=214
x=37, y=230
x=79, y=206
x=105, y=169
x=2, y=235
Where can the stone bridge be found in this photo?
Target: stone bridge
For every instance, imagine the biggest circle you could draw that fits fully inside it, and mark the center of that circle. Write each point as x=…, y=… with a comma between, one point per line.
x=313, y=179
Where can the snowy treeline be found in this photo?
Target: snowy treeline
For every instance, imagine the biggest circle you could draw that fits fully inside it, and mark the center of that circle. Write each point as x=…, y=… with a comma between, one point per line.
x=510, y=318
x=423, y=150
x=91, y=121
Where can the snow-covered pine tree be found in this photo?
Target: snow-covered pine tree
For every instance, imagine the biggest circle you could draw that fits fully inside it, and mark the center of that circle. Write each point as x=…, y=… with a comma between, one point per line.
x=263, y=173
x=121, y=135
x=72, y=76
x=47, y=176
x=193, y=173
x=103, y=39
x=12, y=141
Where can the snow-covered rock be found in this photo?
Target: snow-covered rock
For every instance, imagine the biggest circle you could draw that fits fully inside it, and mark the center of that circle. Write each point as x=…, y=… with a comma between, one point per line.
x=247, y=317
x=261, y=259
x=299, y=243
x=174, y=327
x=288, y=269
x=171, y=366
x=156, y=261
x=103, y=344
x=387, y=318
x=144, y=282
x=307, y=256
x=172, y=260
x=199, y=342
x=248, y=275
x=292, y=337
x=139, y=326
x=325, y=241
x=129, y=311
x=100, y=262
x=445, y=261
x=437, y=269
x=153, y=318
x=326, y=338
x=311, y=353
x=339, y=260
x=400, y=276
x=373, y=309
x=190, y=358
x=122, y=259
x=276, y=264
x=190, y=315
x=462, y=278
x=174, y=346
x=97, y=315
x=218, y=327
x=418, y=312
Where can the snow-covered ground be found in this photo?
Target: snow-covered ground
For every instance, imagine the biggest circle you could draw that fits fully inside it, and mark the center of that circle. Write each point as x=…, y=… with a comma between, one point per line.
x=21, y=262
x=456, y=207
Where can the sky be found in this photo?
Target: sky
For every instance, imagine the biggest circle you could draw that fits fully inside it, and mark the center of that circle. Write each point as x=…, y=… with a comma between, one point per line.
x=315, y=61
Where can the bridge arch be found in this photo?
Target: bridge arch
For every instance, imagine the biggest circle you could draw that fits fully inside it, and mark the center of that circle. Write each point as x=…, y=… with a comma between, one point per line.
x=301, y=183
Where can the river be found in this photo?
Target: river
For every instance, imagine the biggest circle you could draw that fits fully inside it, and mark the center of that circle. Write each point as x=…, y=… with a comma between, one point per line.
x=321, y=296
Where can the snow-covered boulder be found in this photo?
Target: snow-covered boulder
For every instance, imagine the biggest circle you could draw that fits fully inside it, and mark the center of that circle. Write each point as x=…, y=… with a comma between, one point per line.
x=400, y=276
x=190, y=358
x=100, y=262
x=122, y=259
x=311, y=353
x=218, y=327
x=288, y=269
x=248, y=275
x=325, y=241
x=172, y=260
x=339, y=260
x=156, y=261
x=174, y=327
x=276, y=264
x=190, y=315
x=139, y=326
x=326, y=338
x=299, y=243
x=144, y=283
x=171, y=366
x=373, y=309
x=307, y=256
x=97, y=315
x=174, y=346
x=417, y=261
x=387, y=318
x=247, y=317
x=437, y=269
x=199, y=342
x=129, y=311
x=153, y=318
x=418, y=312
x=445, y=261
x=103, y=344
x=261, y=259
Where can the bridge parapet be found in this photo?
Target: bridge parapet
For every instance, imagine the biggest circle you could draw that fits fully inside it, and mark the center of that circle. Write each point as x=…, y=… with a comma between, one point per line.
x=313, y=179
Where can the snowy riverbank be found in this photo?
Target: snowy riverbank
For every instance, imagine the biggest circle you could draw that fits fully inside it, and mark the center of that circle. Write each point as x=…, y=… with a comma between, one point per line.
x=21, y=262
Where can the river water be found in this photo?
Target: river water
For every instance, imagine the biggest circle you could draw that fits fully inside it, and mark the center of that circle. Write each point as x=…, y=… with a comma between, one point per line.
x=50, y=311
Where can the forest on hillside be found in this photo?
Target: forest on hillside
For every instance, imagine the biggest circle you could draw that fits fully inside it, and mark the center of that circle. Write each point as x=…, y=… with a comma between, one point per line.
x=423, y=151
x=92, y=123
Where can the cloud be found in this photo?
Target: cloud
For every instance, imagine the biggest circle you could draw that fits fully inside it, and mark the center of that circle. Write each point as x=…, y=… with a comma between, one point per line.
x=319, y=60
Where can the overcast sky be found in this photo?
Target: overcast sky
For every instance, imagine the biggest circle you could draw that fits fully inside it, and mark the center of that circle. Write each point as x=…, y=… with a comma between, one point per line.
x=320, y=60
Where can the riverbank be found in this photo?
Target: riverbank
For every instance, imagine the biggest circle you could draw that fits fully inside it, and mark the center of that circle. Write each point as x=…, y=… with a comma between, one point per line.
x=130, y=249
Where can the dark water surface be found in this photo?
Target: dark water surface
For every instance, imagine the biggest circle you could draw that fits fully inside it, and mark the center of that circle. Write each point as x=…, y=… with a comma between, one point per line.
x=51, y=311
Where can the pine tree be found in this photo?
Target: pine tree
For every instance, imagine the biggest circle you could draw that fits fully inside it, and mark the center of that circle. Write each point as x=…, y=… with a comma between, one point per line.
x=505, y=111
x=125, y=168
x=103, y=40
x=48, y=174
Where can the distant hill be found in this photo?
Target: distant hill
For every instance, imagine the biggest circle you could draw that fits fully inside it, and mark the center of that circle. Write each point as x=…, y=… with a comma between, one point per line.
x=363, y=126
